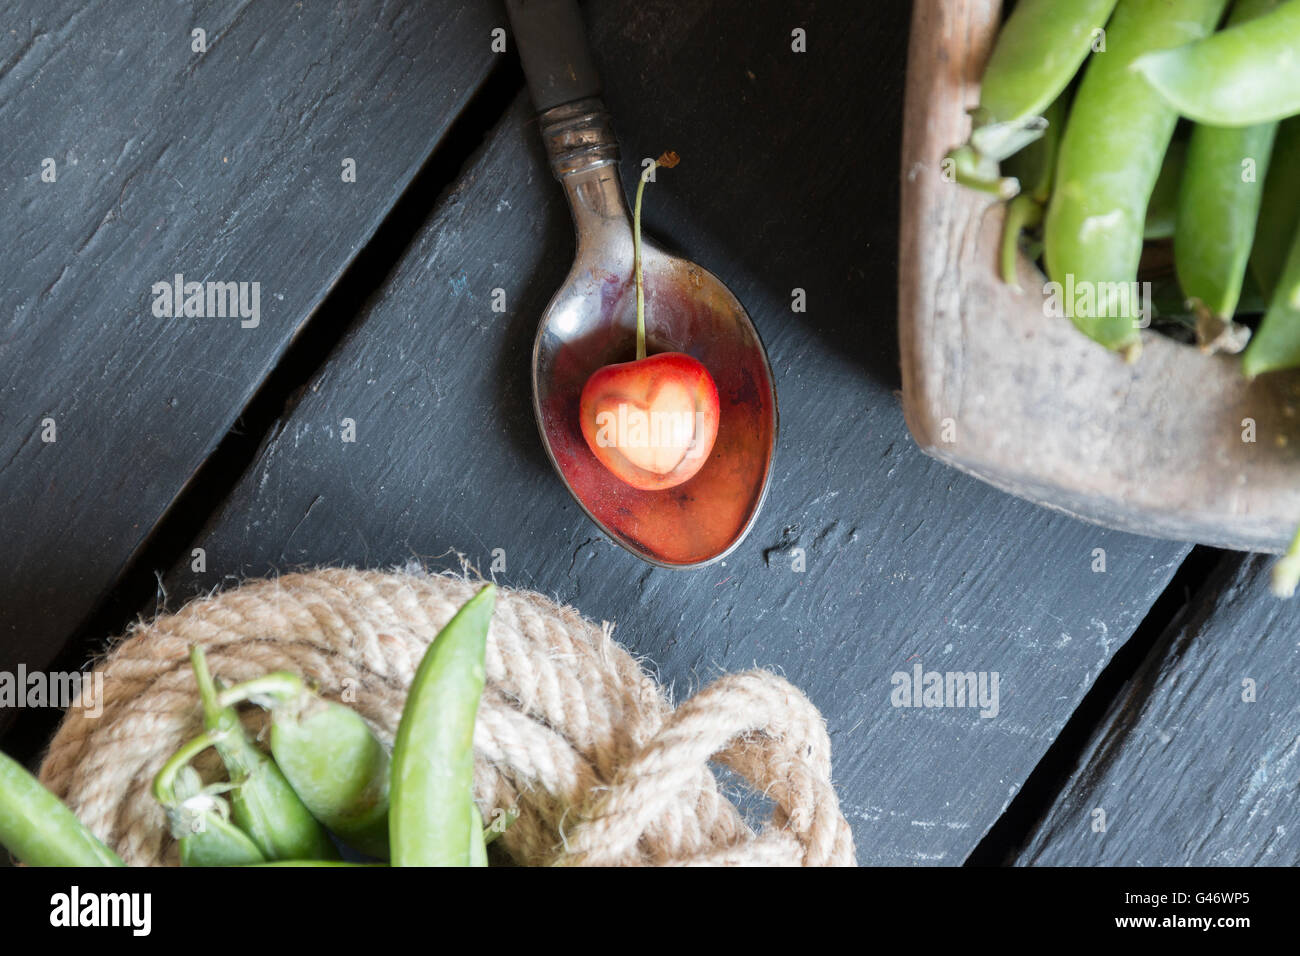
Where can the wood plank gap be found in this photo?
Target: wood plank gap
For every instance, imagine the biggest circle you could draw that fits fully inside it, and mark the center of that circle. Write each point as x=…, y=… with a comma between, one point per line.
x=137, y=591
x=1151, y=639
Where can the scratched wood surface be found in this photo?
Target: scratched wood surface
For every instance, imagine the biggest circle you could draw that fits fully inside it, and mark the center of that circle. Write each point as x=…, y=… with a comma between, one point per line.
x=789, y=181
x=906, y=561
x=1198, y=761
x=225, y=166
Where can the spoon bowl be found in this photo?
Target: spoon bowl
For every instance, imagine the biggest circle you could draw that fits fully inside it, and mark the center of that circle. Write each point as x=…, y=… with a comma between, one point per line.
x=591, y=323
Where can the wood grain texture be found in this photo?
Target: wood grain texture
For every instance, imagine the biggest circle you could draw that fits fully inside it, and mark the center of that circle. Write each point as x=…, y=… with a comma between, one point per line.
x=1186, y=770
x=1022, y=400
x=223, y=166
x=906, y=560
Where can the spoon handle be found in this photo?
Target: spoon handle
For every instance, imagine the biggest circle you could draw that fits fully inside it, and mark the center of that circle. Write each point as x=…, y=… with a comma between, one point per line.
x=554, y=51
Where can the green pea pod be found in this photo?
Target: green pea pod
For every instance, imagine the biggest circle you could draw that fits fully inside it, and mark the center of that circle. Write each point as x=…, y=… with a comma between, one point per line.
x=38, y=829
x=263, y=803
x=1111, y=154
x=1038, y=51
x=1218, y=208
x=1246, y=74
x=433, y=753
x=477, y=838
x=1280, y=211
x=218, y=842
x=198, y=816
x=1276, y=345
x=1162, y=209
x=329, y=755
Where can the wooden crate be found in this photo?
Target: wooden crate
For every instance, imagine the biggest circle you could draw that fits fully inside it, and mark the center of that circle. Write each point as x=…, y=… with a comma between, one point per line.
x=994, y=386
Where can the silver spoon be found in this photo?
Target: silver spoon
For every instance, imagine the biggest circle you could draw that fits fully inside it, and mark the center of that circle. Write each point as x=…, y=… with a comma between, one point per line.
x=591, y=322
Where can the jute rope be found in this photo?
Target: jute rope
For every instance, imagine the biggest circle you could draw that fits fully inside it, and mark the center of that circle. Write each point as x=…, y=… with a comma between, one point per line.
x=571, y=730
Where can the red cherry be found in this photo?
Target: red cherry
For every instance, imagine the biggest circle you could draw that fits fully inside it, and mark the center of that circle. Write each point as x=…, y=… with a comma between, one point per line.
x=651, y=422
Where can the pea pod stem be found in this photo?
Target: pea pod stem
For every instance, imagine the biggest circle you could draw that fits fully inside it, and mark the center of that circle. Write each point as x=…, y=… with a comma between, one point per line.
x=1241, y=76
x=38, y=829
x=280, y=686
x=164, y=782
x=1023, y=213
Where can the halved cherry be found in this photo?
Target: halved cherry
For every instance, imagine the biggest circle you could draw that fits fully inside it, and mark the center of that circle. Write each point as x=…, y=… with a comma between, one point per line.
x=652, y=422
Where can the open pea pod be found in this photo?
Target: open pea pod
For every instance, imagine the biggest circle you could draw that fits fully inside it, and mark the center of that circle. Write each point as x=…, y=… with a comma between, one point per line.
x=263, y=803
x=199, y=817
x=329, y=755
x=432, y=819
x=38, y=829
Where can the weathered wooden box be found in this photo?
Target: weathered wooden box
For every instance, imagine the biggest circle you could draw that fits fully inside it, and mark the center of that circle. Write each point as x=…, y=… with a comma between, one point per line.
x=1022, y=400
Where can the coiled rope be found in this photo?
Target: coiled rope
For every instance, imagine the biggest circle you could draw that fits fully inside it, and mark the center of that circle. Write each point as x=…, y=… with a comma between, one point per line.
x=571, y=730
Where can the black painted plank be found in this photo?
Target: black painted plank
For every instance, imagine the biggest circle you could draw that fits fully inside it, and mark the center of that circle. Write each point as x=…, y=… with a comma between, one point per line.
x=788, y=180
x=225, y=165
x=1186, y=769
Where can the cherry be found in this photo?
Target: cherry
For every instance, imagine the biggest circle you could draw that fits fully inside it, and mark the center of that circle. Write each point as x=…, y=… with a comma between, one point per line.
x=653, y=421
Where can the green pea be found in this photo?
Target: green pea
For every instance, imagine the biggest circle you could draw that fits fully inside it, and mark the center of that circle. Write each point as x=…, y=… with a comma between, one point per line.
x=38, y=829
x=1038, y=51
x=263, y=803
x=433, y=753
x=1280, y=210
x=1111, y=154
x=1246, y=74
x=1276, y=345
x=329, y=755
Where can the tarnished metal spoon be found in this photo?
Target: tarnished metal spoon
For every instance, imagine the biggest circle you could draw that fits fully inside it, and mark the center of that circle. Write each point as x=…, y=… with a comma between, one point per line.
x=591, y=322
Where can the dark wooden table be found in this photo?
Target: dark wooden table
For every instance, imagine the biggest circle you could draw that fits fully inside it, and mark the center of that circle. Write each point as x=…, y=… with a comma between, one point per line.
x=1122, y=692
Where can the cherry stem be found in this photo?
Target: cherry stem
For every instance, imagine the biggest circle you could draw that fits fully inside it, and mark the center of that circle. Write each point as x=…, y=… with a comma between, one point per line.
x=668, y=160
